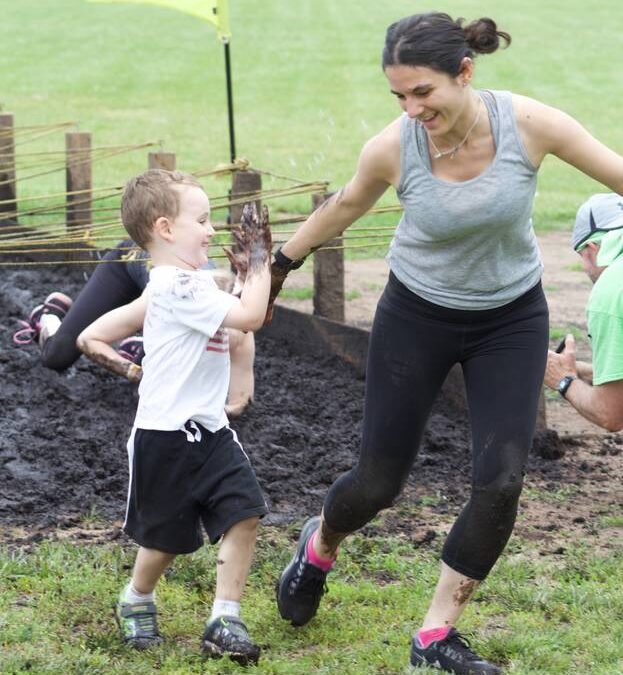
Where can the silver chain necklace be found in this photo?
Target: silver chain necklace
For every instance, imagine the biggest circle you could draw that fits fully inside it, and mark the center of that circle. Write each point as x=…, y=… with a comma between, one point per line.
x=442, y=153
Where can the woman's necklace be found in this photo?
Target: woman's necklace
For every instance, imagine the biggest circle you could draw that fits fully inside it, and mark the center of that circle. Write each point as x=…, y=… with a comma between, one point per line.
x=439, y=153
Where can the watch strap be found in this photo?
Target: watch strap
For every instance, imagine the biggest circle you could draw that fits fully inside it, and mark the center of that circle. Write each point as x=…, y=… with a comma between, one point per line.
x=564, y=384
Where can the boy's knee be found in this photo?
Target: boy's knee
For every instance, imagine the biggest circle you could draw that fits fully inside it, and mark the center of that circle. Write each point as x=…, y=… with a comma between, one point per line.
x=248, y=525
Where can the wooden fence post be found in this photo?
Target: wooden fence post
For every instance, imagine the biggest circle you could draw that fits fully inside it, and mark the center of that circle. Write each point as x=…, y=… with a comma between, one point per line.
x=8, y=190
x=78, y=179
x=329, y=275
x=244, y=183
x=161, y=160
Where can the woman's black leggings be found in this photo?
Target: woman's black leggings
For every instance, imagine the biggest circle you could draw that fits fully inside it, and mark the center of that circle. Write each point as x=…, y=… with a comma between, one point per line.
x=413, y=345
x=111, y=285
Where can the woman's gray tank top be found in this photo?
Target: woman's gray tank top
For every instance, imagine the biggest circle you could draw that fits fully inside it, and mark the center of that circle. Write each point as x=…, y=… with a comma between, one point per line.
x=467, y=245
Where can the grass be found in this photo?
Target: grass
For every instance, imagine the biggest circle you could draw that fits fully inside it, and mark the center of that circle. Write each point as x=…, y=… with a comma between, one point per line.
x=305, y=293
x=557, y=333
x=544, y=617
x=308, y=89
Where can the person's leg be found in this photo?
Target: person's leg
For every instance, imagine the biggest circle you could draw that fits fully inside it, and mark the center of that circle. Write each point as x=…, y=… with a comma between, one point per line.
x=234, y=559
x=162, y=518
x=232, y=503
x=503, y=372
x=225, y=632
x=109, y=286
x=148, y=568
x=241, y=377
x=136, y=610
x=410, y=353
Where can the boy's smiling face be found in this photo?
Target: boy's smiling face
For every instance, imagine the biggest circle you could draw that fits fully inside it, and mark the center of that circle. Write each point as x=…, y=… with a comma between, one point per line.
x=192, y=230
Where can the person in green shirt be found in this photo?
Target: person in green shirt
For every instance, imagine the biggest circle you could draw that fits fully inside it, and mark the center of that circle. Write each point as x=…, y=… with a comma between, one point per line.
x=595, y=389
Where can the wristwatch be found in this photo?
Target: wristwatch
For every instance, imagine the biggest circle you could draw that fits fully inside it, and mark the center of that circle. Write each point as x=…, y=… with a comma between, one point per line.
x=564, y=385
x=282, y=260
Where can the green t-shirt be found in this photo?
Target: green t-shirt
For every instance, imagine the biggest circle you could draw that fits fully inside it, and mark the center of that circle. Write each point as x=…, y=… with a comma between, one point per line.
x=605, y=324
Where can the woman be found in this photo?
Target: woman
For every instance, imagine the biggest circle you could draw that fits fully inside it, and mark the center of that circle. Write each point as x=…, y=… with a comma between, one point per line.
x=464, y=287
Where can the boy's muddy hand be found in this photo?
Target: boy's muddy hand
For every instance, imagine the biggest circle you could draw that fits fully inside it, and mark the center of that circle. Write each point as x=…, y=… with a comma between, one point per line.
x=253, y=241
x=258, y=240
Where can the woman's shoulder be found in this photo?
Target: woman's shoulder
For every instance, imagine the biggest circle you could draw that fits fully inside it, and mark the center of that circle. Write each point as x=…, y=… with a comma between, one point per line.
x=381, y=154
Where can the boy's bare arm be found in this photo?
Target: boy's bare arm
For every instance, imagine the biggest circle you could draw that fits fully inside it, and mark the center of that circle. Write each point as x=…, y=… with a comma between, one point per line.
x=253, y=260
x=95, y=340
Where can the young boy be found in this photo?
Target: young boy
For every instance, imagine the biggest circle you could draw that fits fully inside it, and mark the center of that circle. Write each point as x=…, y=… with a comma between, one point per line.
x=186, y=465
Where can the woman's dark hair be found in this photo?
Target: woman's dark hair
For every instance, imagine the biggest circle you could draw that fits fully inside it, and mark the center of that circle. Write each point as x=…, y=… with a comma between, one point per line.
x=437, y=41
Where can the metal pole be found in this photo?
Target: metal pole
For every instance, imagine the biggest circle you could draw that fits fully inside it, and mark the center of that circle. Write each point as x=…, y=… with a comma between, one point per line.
x=230, y=104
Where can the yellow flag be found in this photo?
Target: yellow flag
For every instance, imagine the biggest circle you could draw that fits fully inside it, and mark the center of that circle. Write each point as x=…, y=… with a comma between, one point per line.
x=215, y=12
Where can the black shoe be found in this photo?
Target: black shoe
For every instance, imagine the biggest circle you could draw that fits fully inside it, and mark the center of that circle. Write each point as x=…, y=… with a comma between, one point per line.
x=228, y=636
x=301, y=585
x=452, y=655
x=138, y=625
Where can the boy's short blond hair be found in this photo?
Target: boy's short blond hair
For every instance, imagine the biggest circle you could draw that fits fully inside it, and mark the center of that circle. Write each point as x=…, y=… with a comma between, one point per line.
x=149, y=196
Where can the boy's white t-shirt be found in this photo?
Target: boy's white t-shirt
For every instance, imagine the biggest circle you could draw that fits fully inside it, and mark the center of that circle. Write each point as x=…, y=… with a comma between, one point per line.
x=186, y=363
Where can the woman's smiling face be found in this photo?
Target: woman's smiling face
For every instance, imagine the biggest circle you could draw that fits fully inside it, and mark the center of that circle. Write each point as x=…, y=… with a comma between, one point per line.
x=434, y=98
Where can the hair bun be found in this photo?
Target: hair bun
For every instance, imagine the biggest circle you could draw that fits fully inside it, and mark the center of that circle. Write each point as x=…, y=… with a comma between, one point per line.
x=483, y=36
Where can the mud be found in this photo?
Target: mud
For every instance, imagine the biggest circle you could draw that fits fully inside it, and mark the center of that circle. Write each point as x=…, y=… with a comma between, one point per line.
x=62, y=436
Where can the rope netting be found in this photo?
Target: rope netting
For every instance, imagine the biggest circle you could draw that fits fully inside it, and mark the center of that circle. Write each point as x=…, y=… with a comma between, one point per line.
x=95, y=225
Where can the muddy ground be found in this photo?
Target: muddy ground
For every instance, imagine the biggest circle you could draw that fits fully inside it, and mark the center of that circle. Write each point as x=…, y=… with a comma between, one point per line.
x=63, y=460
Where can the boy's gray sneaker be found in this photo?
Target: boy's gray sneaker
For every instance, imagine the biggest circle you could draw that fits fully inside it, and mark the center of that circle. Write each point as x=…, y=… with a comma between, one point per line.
x=301, y=585
x=453, y=654
x=138, y=624
x=228, y=636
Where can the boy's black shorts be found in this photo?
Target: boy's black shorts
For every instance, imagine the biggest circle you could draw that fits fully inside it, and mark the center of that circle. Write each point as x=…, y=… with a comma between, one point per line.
x=179, y=479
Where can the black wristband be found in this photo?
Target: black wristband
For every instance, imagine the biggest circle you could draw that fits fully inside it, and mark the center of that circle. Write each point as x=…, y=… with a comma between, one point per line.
x=282, y=260
x=564, y=385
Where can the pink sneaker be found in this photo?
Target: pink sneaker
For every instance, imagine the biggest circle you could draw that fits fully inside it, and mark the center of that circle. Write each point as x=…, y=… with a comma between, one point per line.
x=56, y=303
x=132, y=349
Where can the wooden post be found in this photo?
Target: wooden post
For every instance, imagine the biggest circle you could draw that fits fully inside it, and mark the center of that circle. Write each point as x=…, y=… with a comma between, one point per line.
x=329, y=275
x=78, y=178
x=161, y=160
x=244, y=183
x=8, y=190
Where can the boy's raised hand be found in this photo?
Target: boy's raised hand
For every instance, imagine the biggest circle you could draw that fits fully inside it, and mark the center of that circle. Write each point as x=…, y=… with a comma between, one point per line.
x=253, y=241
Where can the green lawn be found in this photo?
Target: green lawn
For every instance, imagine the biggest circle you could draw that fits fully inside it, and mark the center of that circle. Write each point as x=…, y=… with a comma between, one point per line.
x=558, y=615
x=308, y=86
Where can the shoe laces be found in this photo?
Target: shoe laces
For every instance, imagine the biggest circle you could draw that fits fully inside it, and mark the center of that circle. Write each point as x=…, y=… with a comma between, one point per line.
x=463, y=645
x=146, y=622
x=310, y=580
x=232, y=634
x=27, y=334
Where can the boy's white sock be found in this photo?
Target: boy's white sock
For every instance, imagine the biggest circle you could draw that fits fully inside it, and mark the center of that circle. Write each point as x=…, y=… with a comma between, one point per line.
x=132, y=596
x=224, y=608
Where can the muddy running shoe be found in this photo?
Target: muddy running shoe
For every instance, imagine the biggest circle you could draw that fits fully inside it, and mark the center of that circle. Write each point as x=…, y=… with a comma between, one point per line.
x=132, y=349
x=228, y=636
x=452, y=655
x=138, y=624
x=56, y=303
x=301, y=585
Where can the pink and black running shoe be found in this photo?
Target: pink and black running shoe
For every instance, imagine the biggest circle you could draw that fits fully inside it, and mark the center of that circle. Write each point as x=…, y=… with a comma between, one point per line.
x=132, y=349
x=56, y=303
